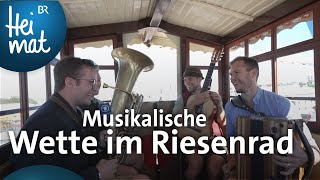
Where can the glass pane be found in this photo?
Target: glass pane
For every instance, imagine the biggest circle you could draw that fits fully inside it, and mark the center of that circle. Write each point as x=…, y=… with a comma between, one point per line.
x=58, y=56
x=161, y=82
x=99, y=52
x=108, y=77
x=200, y=55
x=37, y=87
x=10, y=93
x=306, y=109
x=52, y=79
x=9, y=122
x=32, y=111
x=214, y=83
x=236, y=50
x=260, y=44
x=296, y=75
x=265, y=75
x=52, y=64
x=295, y=30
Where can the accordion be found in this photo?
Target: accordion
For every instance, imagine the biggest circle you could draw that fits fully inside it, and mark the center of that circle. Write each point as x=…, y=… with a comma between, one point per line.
x=260, y=166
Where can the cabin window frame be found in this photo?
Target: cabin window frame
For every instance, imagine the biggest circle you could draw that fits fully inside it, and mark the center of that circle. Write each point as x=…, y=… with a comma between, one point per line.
x=115, y=43
x=23, y=79
x=310, y=44
x=218, y=67
x=24, y=99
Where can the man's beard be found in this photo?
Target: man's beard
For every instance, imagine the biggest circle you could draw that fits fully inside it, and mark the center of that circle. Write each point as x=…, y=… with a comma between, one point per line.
x=193, y=89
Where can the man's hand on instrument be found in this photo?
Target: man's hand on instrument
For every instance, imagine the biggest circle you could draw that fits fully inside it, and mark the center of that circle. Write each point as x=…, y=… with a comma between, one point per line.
x=292, y=161
x=200, y=99
x=107, y=168
x=217, y=100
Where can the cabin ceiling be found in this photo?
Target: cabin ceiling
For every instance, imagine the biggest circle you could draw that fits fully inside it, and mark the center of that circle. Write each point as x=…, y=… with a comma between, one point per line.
x=217, y=17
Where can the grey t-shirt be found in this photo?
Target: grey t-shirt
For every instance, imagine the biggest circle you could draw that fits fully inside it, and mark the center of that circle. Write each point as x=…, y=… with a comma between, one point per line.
x=178, y=105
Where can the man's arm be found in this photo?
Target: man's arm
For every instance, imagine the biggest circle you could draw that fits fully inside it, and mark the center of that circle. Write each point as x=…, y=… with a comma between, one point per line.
x=229, y=167
x=292, y=114
x=230, y=120
x=178, y=106
x=312, y=143
x=299, y=156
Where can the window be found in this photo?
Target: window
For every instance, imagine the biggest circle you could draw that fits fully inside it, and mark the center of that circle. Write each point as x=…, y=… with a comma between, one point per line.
x=296, y=80
x=9, y=101
x=236, y=50
x=108, y=77
x=53, y=63
x=296, y=75
x=260, y=43
x=9, y=91
x=161, y=82
x=306, y=109
x=201, y=55
x=100, y=53
x=52, y=79
x=215, y=81
x=265, y=75
x=11, y=122
x=295, y=30
x=294, y=52
x=36, y=95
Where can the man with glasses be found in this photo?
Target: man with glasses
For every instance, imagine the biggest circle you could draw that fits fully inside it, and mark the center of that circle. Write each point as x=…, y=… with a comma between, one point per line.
x=74, y=82
x=133, y=162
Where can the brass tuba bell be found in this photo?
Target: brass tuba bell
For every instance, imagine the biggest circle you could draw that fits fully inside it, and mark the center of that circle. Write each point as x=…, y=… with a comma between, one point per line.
x=130, y=64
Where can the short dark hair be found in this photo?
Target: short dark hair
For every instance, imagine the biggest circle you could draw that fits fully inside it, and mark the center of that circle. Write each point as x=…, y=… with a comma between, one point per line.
x=249, y=62
x=70, y=67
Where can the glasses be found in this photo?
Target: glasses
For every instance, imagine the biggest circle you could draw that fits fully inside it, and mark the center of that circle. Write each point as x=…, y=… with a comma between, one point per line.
x=92, y=81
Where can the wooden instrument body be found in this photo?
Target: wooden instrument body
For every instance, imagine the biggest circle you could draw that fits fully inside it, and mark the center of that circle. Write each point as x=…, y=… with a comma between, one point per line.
x=209, y=108
x=196, y=132
x=258, y=166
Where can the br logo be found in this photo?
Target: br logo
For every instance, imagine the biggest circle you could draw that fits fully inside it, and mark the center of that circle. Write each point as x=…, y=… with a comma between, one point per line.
x=105, y=108
x=31, y=32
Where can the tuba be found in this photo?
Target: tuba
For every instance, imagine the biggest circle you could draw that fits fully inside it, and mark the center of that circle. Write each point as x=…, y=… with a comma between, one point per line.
x=130, y=64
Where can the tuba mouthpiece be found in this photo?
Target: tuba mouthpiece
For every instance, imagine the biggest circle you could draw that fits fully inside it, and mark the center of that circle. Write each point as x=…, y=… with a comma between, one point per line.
x=115, y=88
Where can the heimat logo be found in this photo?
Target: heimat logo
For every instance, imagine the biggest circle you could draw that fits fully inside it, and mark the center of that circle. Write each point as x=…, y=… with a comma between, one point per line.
x=31, y=32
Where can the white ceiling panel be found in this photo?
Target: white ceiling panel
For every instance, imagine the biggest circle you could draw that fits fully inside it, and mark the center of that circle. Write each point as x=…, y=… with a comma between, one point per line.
x=218, y=17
